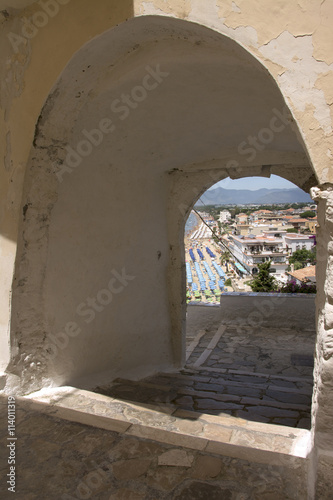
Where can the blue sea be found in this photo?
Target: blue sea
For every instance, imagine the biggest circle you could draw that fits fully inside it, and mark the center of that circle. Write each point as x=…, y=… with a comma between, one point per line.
x=191, y=222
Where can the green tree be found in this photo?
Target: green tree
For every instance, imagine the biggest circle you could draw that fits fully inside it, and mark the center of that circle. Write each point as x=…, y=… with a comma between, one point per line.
x=264, y=281
x=308, y=214
x=225, y=257
x=302, y=257
x=297, y=265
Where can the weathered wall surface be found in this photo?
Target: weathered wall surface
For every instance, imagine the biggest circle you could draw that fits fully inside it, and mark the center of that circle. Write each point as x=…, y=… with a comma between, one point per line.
x=32, y=57
x=293, y=40
x=296, y=312
x=322, y=407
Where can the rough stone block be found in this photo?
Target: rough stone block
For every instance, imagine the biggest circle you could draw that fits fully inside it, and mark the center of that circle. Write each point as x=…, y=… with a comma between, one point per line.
x=176, y=458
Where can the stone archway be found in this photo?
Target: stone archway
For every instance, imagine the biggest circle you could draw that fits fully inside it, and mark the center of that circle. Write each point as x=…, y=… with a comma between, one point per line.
x=188, y=184
x=102, y=142
x=50, y=207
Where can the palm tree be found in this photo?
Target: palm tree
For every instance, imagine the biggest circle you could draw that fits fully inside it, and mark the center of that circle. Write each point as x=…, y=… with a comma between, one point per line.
x=225, y=257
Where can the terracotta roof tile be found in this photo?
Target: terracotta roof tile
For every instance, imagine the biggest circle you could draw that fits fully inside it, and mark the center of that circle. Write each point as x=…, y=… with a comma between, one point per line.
x=303, y=274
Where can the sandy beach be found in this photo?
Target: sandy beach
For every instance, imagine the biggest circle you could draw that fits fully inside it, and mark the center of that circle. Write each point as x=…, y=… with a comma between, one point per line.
x=201, y=243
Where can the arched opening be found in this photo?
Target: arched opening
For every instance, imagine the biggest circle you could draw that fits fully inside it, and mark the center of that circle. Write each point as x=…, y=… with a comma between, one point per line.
x=253, y=353
x=99, y=269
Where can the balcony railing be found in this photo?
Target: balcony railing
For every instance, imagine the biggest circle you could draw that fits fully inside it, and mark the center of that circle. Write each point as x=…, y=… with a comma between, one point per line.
x=266, y=252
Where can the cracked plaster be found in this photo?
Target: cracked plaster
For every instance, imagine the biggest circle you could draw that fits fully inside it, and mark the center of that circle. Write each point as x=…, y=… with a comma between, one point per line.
x=302, y=72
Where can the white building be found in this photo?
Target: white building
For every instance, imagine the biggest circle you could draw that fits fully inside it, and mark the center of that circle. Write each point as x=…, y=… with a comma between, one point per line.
x=253, y=250
x=241, y=218
x=273, y=245
x=225, y=215
x=295, y=242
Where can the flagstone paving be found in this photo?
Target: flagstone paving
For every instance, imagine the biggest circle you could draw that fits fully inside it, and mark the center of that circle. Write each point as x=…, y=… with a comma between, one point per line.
x=58, y=459
x=263, y=375
x=197, y=434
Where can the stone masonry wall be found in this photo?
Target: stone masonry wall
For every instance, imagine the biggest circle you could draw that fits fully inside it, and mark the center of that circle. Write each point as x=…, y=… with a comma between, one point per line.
x=322, y=408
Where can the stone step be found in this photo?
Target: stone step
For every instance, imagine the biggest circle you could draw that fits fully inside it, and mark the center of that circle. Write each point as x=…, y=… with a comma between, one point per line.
x=220, y=435
x=235, y=380
x=210, y=372
x=262, y=397
x=232, y=399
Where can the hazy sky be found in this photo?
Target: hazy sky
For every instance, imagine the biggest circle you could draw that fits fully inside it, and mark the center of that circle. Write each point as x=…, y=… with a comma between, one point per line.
x=253, y=183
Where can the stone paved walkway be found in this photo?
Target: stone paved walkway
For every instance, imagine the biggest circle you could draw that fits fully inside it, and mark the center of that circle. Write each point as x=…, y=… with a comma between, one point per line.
x=182, y=436
x=263, y=350
x=264, y=376
x=61, y=460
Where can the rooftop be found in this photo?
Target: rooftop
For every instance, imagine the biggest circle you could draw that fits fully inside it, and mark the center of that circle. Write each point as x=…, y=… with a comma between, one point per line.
x=257, y=238
x=297, y=236
x=305, y=274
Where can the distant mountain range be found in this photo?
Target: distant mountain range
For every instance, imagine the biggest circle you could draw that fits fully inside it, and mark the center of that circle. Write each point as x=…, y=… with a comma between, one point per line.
x=221, y=196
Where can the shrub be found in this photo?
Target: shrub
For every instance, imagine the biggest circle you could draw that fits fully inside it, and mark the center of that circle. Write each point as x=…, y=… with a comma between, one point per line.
x=292, y=287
